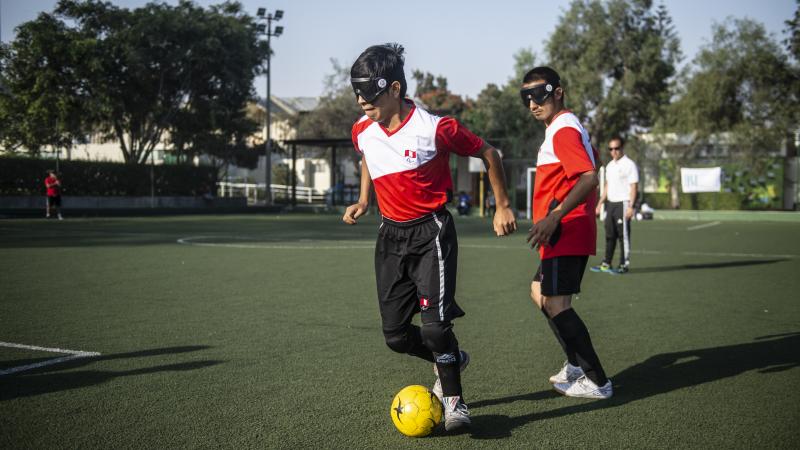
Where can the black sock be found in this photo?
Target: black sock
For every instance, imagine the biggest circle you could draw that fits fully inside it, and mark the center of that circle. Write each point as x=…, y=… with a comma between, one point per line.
x=571, y=357
x=449, y=367
x=574, y=332
x=418, y=349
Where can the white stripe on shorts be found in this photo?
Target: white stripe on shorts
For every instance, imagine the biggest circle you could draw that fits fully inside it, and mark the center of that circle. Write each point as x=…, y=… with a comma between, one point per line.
x=626, y=240
x=441, y=268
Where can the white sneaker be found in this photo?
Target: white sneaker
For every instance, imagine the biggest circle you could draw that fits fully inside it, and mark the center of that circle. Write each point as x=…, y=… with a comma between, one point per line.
x=60, y=218
x=456, y=414
x=437, y=385
x=567, y=374
x=585, y=388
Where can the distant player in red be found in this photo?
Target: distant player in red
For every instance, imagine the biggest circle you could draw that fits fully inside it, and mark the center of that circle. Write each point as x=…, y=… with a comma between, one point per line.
x=564, y=230
x=53, y=186
x=405, y=152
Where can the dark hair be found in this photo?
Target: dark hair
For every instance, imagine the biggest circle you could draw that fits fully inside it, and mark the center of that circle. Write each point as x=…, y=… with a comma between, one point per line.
x=382, y=61
x=619, y=138
x=542, y=73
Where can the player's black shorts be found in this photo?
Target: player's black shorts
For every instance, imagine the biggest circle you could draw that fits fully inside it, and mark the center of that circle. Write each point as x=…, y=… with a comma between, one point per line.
x=561, y=275
x=415, y=269
x=53, y=200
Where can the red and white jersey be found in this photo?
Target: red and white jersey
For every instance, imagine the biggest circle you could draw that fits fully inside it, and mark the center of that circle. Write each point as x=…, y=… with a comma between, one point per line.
x=410, y=166
x=52, y=185
x=565, y=154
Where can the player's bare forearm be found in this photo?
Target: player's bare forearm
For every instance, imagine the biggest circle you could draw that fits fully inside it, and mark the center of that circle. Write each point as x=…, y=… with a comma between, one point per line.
x=366, y=183
x=504, y=222
x=587, y=182
x=602, y=199
x=353, y=212
x=604, y=194
x=632, y=195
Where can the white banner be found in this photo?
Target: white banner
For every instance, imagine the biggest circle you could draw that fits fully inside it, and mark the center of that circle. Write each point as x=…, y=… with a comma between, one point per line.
x=701, y=180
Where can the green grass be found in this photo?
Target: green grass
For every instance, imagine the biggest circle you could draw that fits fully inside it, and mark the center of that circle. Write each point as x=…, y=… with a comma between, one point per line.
x=273, y=339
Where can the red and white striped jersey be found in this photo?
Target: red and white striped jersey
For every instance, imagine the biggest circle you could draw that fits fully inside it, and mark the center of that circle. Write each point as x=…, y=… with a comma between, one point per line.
x=410, y=166
x=565, y=154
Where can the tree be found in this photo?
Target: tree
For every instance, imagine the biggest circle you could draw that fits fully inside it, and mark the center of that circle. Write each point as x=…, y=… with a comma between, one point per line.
x=742, y=94
x=793, y=28
x=334, y=116
x=137, y=76
x=337, y=110
x=225, y=56
x=433, y=92
x=616, y=59
x=499, y=116
x=44, y=102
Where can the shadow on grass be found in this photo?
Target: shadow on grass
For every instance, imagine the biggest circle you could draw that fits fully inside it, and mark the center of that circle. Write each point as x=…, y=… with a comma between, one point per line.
x=657, y=375
x=54, y=378
x=721, y=265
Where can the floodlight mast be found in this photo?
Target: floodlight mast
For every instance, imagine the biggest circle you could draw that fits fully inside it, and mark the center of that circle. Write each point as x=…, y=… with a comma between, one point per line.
x=266, y=29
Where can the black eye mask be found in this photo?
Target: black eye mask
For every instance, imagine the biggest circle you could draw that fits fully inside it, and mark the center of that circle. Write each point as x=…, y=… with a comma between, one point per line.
x=538, y=94
x=369, y=88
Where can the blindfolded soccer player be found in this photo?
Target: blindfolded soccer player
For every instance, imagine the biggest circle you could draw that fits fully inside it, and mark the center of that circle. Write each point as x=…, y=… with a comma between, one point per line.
x=564, y=230
x=405, y=153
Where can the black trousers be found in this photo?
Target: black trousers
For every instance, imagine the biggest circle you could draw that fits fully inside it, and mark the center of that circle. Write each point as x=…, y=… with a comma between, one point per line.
x=415, y=269
x=617, y=229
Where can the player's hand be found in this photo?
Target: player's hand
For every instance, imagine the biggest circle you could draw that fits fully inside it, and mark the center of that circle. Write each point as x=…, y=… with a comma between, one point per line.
x=504, y=221
x=628, y=213
x=598, y=209
x=541, y=231
x=353, y=212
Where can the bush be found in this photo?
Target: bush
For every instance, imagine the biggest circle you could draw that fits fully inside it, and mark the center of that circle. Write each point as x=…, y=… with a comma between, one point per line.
x=25, y=176
x=700, y=200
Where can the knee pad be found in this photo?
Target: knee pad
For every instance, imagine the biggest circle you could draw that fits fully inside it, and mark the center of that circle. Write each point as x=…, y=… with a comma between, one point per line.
x=439, y=337
x=399, y=340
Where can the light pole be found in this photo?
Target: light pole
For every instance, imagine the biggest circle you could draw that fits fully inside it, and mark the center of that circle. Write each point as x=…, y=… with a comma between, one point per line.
x=266, y=29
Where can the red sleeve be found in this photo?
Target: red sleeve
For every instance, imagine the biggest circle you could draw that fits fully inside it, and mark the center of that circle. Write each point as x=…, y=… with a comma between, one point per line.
x=454, y=137
x=354, y=135
x=569, y=149
x=358, y=127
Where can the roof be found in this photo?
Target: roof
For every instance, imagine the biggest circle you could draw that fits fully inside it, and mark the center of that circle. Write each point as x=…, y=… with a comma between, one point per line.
x=291, y=106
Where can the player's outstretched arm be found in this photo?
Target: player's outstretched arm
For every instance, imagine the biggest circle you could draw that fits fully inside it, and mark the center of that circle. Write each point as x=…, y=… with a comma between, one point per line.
x=504, y=221
x=353, y=212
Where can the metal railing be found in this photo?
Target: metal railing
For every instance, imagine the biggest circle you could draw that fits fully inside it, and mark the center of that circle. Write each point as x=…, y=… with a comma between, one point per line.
x=281, y=193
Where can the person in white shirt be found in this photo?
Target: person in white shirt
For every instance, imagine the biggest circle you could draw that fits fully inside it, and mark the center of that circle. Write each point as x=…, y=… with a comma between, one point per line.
x=619, y=197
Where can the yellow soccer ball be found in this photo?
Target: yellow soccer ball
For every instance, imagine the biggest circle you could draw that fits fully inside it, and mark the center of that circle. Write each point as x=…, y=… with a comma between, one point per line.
x=416, y=411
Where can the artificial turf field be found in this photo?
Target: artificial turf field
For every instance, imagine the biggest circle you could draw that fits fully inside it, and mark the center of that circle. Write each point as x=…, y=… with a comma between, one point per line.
x=263, y=332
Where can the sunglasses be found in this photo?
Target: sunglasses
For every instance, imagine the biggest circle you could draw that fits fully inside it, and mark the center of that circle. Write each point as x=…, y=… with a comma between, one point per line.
x=611, y=149
x=369, y=88
x=537, y=94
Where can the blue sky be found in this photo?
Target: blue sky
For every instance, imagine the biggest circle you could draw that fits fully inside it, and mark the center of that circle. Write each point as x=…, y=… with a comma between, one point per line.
x=470, y=42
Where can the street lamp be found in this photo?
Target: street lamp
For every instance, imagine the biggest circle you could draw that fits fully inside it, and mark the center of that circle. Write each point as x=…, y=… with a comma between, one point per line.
x=266, y=29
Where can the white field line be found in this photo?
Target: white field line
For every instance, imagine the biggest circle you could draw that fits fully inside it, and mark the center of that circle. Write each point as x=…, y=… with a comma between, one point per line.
x=192, y=240
x=73, y=354
x=705, y=225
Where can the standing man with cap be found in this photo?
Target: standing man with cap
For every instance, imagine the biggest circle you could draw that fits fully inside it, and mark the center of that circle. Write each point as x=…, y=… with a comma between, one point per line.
x=619, y=195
